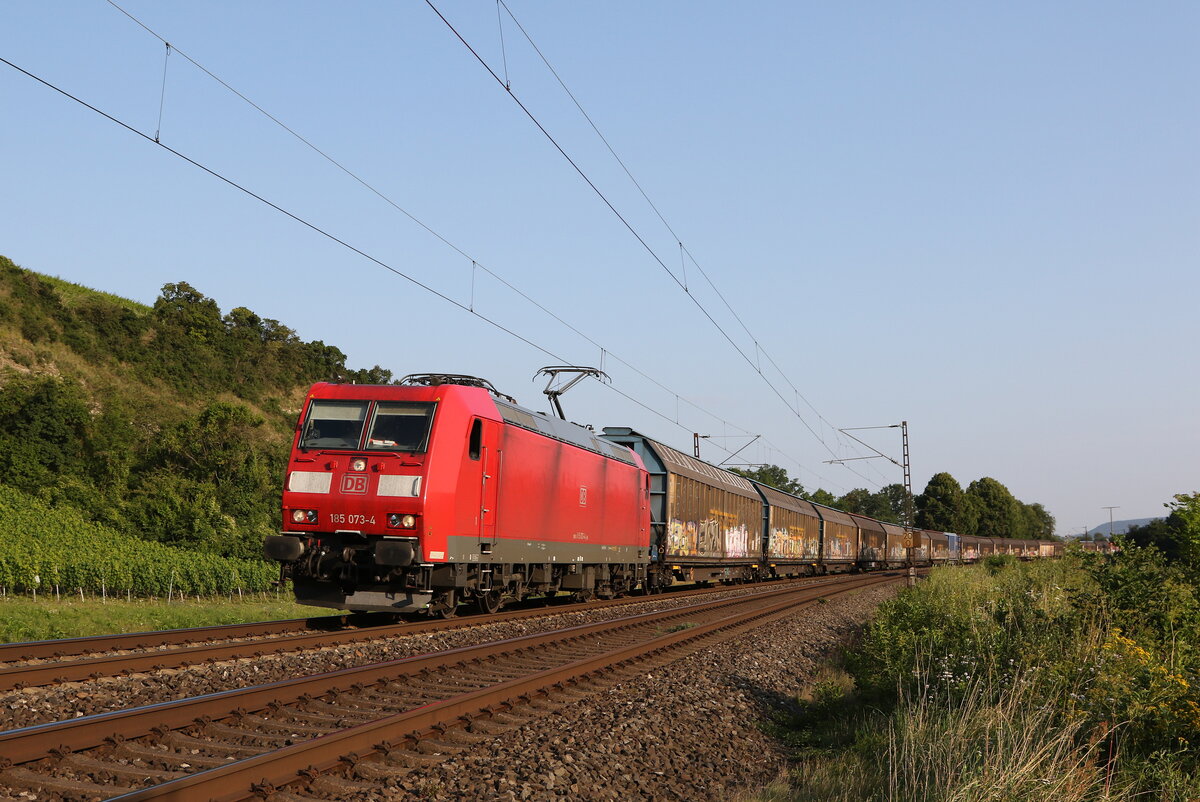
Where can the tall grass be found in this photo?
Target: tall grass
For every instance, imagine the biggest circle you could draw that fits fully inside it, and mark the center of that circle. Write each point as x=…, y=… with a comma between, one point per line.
x=1005, y=685
x=74, y=295
x=992, y=745
x=998, y=741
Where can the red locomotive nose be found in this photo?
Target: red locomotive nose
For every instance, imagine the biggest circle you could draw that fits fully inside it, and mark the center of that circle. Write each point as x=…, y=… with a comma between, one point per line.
x=457, y=474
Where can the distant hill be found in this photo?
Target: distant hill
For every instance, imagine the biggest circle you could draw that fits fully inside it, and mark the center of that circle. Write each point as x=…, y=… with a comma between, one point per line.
x=1120, y=527
x=168, y=422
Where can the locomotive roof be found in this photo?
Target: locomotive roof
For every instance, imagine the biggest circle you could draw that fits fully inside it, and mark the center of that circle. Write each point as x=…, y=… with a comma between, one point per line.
x=562, y=430
x=555, y=428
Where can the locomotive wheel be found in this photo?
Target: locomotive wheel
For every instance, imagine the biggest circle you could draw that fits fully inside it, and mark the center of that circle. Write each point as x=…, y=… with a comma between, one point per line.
x=447, y=606
x=489, y=601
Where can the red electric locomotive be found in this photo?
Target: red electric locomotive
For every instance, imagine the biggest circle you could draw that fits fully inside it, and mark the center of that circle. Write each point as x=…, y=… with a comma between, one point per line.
x=439, y=490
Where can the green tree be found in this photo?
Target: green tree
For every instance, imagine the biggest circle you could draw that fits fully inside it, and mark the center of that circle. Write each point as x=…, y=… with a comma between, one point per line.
x=1185, y=522
x=774, y=476
x=823, y=496
x=895, y=496
x=373, y=375
x=857, y=501
x=1178, y=535
x=1157, y=533
x=943, y=506
x=187, y=331
x=998, y=511
x=183, y=306
x=876, y=505
x=45, y=428
x=225, y=481
x=1039, y=524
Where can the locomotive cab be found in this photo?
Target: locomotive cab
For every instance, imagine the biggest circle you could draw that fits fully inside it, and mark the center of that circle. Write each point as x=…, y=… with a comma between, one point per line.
x=356, y=501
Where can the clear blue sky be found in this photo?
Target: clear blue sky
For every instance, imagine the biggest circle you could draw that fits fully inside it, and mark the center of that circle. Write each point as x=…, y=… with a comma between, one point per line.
x=981, y=218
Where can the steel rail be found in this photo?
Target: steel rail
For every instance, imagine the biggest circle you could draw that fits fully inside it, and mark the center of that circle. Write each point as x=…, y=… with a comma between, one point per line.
x=40, y=741
x=38, y=674
x=67, y=647
x=57, y=648
x=245, y=779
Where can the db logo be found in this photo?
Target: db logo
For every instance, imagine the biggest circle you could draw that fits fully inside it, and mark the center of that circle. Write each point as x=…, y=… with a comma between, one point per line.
x=354, y=484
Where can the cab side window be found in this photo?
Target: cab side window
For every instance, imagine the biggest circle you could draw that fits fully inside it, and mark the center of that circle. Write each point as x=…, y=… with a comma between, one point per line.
x=475, y=447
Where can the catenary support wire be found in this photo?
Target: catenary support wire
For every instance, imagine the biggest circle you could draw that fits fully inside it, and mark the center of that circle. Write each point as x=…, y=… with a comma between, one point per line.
x=537, y=123
x=162, y=95
x=421, y=224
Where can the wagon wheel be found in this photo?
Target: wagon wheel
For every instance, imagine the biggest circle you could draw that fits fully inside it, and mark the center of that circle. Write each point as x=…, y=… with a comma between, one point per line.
x=489, y=601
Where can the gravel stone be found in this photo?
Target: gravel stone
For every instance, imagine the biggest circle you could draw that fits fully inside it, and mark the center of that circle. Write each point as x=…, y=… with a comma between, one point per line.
x=685, y=730
x=31, y=706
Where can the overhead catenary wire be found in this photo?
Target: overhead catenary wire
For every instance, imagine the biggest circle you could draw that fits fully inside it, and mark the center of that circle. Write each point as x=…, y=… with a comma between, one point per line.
x=323, y=232
x=604, y=198
x=279, y=208
x=642, y=191
x=770, y=359
x=437, y=235
x=365, y=184
x=462, y=253
x=625, y=222
x=682, y=248
x=428, y=229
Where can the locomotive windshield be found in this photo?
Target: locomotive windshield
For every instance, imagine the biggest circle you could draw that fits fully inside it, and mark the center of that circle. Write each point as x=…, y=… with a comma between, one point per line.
x=334, y=424
x=400, y=426
x=394, y=426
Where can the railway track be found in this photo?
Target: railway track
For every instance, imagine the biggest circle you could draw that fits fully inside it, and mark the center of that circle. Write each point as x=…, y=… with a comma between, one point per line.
x=332, y=734
x=68, y=647
x=40, y=663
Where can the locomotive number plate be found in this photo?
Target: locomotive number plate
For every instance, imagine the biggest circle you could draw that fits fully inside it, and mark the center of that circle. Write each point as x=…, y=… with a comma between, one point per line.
x=342, y=518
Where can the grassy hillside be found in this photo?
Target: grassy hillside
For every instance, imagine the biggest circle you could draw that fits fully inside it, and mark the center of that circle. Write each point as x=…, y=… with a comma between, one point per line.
x=168, y=423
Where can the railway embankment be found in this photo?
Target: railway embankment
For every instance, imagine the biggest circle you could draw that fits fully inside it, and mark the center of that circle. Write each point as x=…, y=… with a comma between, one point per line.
x=691, y=729
x=1077, y=679
x=659, y=704
x=46, y=703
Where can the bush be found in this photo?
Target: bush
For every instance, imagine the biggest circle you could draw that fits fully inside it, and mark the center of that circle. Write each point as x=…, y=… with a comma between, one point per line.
x=994, y=563
x=1076, y=679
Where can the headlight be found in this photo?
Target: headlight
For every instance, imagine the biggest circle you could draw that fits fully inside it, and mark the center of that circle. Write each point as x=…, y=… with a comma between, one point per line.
x=399, y=521
x=304, y=516
x=358, y=464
